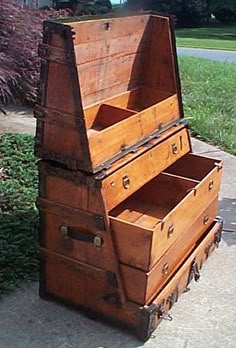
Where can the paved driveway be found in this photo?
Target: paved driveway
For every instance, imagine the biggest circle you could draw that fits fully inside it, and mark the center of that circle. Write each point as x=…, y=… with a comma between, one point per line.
x=221, y=56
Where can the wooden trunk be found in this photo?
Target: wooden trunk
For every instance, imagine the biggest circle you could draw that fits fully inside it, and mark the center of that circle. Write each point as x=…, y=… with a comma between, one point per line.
x=105, y=77
x=127, y=210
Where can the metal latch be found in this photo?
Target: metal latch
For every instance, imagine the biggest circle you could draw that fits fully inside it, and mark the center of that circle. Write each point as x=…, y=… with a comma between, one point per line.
x=162, y=314
x=126, y=182
x=174, y=149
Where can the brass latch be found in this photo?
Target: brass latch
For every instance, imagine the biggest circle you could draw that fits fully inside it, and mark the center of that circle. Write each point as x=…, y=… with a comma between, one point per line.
x=211, y=184
x=174, y=149
x=170, y=231
x=126, y=182
x=206, y=219
x=165, y=268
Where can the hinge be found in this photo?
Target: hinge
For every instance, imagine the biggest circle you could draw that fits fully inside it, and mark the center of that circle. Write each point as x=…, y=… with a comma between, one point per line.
x=194, y=272
x=173, y=297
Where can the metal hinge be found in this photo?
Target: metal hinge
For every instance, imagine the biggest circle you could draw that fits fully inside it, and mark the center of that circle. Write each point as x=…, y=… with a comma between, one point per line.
x=172, y=298
x=162, y=314
x=194, y=272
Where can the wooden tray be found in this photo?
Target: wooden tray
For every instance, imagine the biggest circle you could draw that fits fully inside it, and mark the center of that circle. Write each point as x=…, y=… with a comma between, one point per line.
x=107, y=86
x=147, y=223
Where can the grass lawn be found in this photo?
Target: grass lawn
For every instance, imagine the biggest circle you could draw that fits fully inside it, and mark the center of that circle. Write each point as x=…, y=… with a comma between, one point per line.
x=209, y=101
x=214, y=37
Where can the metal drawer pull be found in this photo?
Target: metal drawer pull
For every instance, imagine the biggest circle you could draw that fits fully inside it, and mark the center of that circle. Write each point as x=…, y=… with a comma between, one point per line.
x=170, y=231
x=206, y=219
x=165, y=268
x=126, y=182
x=211, y=184
x=174, y=149
x=68, y=233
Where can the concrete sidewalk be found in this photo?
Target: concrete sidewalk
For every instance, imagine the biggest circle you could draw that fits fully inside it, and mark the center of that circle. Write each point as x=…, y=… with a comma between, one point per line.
x=205, y=317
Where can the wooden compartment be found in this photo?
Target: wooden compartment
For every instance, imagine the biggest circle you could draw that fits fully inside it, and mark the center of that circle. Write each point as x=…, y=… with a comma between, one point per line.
x=147, y=223
x=107, y=86
x=149, y=284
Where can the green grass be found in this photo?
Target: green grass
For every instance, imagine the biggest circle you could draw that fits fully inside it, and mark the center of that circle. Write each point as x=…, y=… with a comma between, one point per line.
x=209, y=100
x=18, y=214
x=214, y=37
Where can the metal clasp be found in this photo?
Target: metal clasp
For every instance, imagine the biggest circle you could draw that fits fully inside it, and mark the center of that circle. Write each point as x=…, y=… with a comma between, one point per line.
x=211, y=184
x=162, y=315
x=126, y=182
x=170, y=231
x=165, y=268
x=174, y=149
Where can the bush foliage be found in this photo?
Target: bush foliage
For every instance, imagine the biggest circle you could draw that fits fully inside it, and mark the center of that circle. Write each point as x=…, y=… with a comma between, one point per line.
x=20, y=34
x=18, y=214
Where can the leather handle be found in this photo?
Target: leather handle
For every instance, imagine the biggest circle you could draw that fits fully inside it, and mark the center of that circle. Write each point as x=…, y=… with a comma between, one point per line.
x=69, y=233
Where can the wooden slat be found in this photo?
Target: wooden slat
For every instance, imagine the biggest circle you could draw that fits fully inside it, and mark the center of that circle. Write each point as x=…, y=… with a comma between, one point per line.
x=117, y=47
x=108, y=72
x=108, y=93
x=95, y=30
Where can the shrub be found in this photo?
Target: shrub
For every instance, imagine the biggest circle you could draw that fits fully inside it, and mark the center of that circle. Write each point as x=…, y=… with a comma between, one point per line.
x=18, y=214
x=20, y=34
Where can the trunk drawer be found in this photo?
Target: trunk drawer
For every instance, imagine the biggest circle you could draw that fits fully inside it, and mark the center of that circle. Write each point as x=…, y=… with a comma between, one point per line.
x=147, y=223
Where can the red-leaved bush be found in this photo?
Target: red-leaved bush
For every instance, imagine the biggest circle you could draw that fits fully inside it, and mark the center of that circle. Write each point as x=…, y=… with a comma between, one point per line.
x=20, y=34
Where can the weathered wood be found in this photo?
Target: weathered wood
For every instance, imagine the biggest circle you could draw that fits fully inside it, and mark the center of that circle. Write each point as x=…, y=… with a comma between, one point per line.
x=100, y=62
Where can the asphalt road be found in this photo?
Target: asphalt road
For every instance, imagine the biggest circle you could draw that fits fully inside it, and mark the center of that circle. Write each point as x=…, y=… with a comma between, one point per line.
x=221, y=56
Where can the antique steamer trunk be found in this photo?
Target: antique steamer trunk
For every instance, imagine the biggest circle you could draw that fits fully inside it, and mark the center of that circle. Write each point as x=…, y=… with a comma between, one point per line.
x=127, y=211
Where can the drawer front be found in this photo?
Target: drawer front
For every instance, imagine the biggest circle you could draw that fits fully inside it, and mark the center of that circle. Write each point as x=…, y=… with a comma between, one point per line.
x=178, y=220
x=125, y=181
x=188, y=270
x=149, y=284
